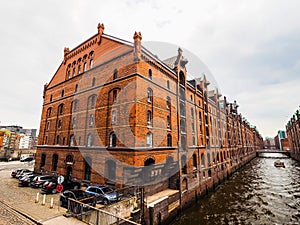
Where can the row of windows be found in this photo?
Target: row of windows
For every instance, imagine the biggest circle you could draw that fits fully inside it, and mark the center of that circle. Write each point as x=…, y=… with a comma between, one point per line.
x=150, y=77
x=112, y=140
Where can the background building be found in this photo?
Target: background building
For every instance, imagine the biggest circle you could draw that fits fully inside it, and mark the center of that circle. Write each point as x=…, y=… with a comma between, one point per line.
x=281, y=141
x=293, y=135
x=14, y=141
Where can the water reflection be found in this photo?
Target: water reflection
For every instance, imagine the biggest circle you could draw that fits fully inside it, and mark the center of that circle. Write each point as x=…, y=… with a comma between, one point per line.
x=258, y=194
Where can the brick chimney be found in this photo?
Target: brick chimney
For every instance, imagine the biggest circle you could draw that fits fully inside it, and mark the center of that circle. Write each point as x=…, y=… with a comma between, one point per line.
x=137, y=37
x=100, y=31
x=66, y=52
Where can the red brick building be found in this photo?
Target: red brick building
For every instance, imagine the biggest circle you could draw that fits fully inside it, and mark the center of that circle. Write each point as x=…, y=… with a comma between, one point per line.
x=115, y=113
x=293, y=135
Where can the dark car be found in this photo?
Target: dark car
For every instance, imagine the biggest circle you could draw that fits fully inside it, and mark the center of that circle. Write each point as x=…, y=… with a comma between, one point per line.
x=25, y=180
x=79, y=195
x=104, y=194
x=38, y=181
x=27, y=159
x=14, y=172
x=50, y=186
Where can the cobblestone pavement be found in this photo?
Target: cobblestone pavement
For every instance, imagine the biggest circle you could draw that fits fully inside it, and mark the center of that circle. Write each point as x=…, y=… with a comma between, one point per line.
x=22, y=199
x=8, y=216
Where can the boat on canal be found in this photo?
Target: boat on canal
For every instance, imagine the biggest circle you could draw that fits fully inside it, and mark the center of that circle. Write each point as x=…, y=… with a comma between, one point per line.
x=279, y=164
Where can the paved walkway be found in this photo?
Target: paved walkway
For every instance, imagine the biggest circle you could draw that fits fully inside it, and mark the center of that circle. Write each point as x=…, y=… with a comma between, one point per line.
x=19, y=202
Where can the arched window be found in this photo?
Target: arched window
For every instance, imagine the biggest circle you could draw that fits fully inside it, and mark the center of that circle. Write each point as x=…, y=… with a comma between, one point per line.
x=183, y=164
x=54, y=162
x=113, y=140
x=91, y=64
x=168, y=102
x=48, y=125
x=72, y=140
x=92, y=101
x=88, y=168
x=69, y=160
x=194, y=161
x=202, y=160
x=43, y=161
x=75, y=105
x=60, y=109
x=76, y=88
x=89, y=140
x=74, y=71
x=59, y=124
x=168, y=84
x=93, y=81
x=62, y=93
x=169, y=140
x=69, y=74
x=113, y=117
x=51, y=98
x=91, y=120
x=79, y=69
x=150, y=74
x=168, y=122
x=46, y=140
x=49, y=112
x=110, y=170
x=149, y=117
x=150, y=95
x=149, y=139
x=115, y=74
x=115, y=94
x=84, y=67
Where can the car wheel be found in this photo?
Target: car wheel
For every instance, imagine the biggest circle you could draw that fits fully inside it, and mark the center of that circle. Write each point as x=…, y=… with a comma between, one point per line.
x=54, y=191
x=105, y=201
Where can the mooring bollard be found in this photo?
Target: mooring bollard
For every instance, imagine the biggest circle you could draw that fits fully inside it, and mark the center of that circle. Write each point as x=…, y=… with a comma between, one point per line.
x=44, y=200
x=51, y=203
x=37, y=197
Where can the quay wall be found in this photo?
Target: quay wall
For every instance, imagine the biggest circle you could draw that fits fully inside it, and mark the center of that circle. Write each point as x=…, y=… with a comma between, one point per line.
x=166, y=210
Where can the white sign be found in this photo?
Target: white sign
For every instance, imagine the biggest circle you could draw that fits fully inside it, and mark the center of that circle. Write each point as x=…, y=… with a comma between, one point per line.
x=60, y=179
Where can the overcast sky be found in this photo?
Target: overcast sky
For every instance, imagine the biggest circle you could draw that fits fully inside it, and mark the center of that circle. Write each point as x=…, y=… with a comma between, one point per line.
x=251, y=47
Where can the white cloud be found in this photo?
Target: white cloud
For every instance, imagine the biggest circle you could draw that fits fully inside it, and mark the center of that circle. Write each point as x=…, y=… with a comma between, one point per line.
x=252, y=48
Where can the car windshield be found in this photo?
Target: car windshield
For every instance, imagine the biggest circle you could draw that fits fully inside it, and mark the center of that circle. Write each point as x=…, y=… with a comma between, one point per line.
x=81, y=195
x=107, y=190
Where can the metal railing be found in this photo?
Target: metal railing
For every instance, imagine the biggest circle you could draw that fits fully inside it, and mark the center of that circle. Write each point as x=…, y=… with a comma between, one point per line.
x=95, y=216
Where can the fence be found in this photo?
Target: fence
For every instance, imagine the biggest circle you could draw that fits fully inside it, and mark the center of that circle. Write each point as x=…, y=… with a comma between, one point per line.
x=95, y=216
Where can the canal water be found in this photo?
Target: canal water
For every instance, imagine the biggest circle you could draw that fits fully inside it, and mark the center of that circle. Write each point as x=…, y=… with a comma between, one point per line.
x=257, y=194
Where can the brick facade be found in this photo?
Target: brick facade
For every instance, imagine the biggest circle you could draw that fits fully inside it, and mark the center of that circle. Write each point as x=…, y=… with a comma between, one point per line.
x=131, y=118
x=293, y=135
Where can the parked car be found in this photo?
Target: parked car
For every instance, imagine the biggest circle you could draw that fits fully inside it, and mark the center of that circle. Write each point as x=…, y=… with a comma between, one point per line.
x=38, y=181
x=27, y=159
x=78, y=195
x=50, y=186
x=26, y=179
x=104, y=194
x=14, y=172
x=23, y=172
